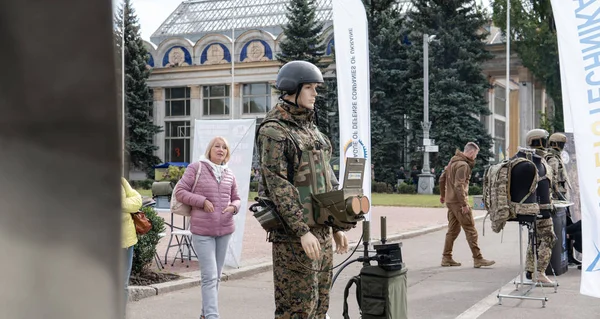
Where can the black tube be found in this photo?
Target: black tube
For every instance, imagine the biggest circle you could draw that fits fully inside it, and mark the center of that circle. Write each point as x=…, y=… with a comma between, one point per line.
x=342, y=268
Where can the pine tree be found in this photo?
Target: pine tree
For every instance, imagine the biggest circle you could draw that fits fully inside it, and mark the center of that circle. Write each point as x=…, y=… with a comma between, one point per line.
x=140, y=128
x=388, y=67
x=456, y=82
x=302, y=34
x=303, y=41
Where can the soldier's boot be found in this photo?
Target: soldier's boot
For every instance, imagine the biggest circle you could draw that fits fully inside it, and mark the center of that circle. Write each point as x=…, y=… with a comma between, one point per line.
x=482, y=262
x=449, y=262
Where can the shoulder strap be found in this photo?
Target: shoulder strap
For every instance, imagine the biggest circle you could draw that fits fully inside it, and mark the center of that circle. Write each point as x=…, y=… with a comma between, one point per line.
x=290, y=168
x=353, y=280
x=197, y=175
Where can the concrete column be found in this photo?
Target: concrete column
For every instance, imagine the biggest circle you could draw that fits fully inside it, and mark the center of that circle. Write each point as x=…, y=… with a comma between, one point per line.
x=159, y=119
x=526, y=110
x=60, y=226
x=195, y=114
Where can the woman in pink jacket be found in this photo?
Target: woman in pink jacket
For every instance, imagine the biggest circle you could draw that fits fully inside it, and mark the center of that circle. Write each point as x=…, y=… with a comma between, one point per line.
x=214, y=201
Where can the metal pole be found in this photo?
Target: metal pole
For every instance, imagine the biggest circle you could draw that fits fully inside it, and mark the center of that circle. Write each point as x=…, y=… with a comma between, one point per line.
x=123, y=157
x=426, y=124
x=232, y=61
x=507, y=127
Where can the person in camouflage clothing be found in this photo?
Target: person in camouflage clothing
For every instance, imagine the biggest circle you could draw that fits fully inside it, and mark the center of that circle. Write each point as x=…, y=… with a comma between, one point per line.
x=294, y=162
x=537, y=140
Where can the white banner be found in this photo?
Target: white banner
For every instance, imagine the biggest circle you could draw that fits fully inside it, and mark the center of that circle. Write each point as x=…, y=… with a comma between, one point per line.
x=240, y=135
x=352, y=67
x=578, y=28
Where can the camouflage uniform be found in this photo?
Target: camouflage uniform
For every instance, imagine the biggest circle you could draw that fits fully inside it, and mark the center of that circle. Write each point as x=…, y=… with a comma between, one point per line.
x=297, y=150
x=545, y=236
x=559, y=171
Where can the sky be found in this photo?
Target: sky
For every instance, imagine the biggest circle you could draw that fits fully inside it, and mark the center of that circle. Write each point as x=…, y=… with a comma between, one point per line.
x=151, y=13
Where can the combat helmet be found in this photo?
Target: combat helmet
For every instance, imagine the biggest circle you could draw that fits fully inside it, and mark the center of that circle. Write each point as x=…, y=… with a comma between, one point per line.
x=294, y=74
x=557, y=141
x=537, y=138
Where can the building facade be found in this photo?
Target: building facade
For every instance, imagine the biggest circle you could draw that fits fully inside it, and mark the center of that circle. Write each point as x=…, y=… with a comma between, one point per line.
x=217, y=60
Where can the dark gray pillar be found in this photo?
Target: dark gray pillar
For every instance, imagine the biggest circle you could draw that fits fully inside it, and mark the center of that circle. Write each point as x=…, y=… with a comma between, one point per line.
x=59, y=162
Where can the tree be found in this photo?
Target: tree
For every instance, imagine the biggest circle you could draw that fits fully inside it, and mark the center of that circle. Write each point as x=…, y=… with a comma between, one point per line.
x=140, y=128
x=457, y=84
x=303, y=42
x=533, y=35
x=388, y=75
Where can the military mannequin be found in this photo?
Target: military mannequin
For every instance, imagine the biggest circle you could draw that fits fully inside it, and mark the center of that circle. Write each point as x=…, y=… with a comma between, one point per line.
x=556, y=145
x=288, y=141
x=537, y=140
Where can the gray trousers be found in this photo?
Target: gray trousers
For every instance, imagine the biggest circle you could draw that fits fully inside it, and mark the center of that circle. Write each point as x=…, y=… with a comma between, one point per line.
x=211, y=253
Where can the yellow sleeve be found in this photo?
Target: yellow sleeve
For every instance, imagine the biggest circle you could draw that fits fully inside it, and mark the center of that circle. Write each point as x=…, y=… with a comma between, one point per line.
x=131, y=200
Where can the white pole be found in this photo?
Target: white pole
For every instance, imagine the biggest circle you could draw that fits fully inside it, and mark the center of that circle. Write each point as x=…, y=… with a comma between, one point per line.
x=507, y=128
x=123, y=159
x=232, y=108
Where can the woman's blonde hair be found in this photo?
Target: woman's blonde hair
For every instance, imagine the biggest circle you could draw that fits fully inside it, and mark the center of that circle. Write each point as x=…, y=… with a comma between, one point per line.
x=213, y=142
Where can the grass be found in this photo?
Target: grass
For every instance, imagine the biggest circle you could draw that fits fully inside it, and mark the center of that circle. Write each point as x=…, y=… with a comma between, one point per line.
x=402, y=200
x=377, y=199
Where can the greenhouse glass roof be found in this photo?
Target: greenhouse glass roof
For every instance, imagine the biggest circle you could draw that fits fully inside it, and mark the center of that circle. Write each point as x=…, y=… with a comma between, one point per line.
x=194, y=19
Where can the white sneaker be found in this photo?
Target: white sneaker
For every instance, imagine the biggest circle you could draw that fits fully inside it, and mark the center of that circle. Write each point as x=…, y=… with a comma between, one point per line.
x=327, y=316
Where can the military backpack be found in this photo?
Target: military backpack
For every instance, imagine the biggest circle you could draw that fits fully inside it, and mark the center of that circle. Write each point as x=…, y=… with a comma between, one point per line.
x=496, y=194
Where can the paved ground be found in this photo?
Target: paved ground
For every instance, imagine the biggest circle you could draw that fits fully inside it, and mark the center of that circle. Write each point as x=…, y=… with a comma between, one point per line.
x=434, y=291
x=257, y=250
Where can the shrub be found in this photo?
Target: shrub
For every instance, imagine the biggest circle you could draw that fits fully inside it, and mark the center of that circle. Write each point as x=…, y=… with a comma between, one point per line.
x=436, y=189
x=379, y=187
x=145, y=249
x=406, y=189
x=173, y=174
x=254, y=186
x=475, y=190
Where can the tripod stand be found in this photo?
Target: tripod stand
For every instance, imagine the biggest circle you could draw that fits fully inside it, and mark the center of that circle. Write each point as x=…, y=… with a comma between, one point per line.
x=528, y=221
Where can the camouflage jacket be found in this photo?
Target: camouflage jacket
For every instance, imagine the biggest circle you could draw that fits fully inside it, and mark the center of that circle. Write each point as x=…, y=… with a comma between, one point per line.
x=559, y=174
x=279, y=160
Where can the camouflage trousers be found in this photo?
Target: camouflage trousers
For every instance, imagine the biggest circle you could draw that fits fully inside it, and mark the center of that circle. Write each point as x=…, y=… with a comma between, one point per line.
x=301, y=293
x=545, y=242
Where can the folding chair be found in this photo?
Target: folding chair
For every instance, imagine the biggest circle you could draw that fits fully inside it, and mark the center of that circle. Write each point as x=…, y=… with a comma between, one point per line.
x=183, y=237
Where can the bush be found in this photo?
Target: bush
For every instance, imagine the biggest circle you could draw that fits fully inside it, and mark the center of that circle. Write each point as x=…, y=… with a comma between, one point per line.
x=406, y=189
x=173, y=174
x=379, y=187
x=145, y=249
x=436, y=189
x=254, y=186
x=475, y=190
x=145, y=184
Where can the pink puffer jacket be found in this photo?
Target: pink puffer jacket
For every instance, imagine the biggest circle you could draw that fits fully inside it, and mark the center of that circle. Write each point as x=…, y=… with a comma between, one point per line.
x=220, y=195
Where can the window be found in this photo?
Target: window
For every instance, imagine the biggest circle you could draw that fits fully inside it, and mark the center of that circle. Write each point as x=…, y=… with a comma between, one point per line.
x=216, y=100
x=500, y=100
x=500, y=139
x=177, y=101
x=257, y=98
x=177, y=141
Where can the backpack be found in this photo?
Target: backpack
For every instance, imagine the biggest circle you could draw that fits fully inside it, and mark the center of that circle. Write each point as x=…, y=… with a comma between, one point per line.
x=496, y=193
x=379, y=293
x=178, y=207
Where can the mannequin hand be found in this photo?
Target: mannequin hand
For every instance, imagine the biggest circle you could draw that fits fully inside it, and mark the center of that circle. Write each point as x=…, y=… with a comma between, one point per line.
x=341, y=242
x=311, y=245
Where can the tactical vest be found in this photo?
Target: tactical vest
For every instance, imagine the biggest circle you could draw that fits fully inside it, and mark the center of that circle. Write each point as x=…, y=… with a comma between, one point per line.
x=312, y=175
x=496, y=194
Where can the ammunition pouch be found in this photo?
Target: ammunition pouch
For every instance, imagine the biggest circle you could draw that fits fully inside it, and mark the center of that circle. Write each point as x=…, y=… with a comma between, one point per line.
x=340, y=209
x=265, y=211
